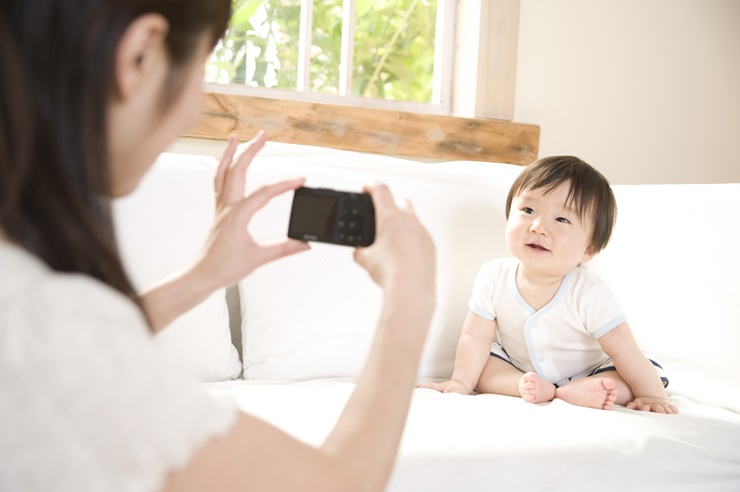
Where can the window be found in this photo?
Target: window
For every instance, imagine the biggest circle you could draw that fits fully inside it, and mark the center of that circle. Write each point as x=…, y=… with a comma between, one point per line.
x=380, y=53
x=293, y=70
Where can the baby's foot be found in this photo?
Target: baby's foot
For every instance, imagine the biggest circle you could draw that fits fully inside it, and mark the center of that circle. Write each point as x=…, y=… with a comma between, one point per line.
x=589, y=392
x=534, y=389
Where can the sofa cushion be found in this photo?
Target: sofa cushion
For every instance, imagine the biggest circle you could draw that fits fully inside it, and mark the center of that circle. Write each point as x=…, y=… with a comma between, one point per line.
x=313, y=315
x=673, y=262
x=160, y=228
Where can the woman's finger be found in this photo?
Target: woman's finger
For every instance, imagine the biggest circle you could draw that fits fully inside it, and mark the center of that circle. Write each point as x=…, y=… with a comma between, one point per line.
x=407, y=205
x=275, y=251
x=223, y=165
x=382, y=197
x=259, y=198
x=236, y=174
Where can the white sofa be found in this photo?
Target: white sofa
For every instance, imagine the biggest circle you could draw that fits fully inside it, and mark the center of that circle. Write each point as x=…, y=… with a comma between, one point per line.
x=303, y=325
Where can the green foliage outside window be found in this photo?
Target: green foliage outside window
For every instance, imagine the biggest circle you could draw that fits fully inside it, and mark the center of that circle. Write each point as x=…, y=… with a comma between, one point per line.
x=393, y=56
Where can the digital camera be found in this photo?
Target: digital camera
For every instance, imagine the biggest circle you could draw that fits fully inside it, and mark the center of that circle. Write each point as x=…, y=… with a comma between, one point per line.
x=330, y=216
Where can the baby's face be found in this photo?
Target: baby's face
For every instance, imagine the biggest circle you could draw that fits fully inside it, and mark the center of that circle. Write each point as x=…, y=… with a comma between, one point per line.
x=545, y=235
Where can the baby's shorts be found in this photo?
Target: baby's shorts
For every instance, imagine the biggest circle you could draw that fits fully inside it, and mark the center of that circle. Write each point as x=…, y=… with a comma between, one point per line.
x=608, y=365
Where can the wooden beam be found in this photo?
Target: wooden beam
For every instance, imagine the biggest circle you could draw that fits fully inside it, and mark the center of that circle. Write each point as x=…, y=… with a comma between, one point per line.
x=367, y=130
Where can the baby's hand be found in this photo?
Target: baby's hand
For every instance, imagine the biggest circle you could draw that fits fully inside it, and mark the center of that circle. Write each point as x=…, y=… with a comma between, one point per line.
x=648, y=404
x=447, y=387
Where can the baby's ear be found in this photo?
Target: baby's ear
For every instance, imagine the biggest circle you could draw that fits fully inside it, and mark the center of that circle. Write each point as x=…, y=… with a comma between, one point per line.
x=588, y=254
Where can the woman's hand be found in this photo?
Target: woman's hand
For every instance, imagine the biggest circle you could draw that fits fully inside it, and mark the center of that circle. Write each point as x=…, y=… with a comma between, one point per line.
x=403, y=253
x=230, y=252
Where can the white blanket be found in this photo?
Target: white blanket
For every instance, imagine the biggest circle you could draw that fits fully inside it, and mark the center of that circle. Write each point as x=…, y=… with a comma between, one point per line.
x=520, y=446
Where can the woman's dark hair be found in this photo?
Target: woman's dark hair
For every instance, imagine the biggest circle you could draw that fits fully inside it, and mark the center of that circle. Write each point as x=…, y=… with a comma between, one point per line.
x=54, y=169
x=15, y=127
x=589, y=192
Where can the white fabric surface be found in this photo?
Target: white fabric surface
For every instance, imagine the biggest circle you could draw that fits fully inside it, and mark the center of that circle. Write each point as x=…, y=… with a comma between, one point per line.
x=492, y=442
x=160, y=228
x=86, y=403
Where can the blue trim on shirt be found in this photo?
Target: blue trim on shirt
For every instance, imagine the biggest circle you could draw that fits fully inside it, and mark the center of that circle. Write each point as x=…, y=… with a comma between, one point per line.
x=609, y=326
x=533, y=320
x=481, y=312
x=519, y=297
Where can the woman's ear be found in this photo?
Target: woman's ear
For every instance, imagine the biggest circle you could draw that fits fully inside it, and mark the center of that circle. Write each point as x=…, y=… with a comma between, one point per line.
x=138, y=52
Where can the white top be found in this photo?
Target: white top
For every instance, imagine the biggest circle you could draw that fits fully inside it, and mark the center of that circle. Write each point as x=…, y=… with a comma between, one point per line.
x=560, y=340
x=85, y=401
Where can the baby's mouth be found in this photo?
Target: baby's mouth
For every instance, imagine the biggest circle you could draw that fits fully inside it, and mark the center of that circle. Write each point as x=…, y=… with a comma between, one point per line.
x=537, y=247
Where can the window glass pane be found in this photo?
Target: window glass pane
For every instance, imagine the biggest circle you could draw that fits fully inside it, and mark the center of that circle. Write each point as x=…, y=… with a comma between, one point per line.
x=260, y=48
x=326, y=46
x=394, y=49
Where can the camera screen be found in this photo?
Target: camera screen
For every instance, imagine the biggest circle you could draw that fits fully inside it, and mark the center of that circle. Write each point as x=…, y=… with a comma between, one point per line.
x=315, y=214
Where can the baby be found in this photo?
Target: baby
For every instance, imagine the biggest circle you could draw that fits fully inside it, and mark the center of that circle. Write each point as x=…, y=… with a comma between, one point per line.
x=540, y=325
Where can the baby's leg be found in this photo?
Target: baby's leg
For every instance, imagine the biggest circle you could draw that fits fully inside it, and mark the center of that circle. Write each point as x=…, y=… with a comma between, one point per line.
x=502, y=378
x=592, y=392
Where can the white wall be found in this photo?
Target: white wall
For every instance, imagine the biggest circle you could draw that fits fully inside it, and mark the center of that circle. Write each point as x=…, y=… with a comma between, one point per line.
x=647, y=91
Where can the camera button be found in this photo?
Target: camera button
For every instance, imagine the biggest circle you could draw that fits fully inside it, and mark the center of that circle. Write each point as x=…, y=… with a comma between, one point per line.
x=353, y=224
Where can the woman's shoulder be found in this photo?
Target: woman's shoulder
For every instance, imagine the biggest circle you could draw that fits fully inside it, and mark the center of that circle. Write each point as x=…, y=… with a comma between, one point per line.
x=32, y=295
x=65, y=322
x=80, y=373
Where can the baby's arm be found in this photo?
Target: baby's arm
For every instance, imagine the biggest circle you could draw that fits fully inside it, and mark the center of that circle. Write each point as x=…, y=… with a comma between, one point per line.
x=637, y=371
x=473, y=350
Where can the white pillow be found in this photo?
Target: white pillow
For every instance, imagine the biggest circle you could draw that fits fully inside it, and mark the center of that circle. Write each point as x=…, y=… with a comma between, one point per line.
x=673, y=261
x=160, y=228
x=313, y=315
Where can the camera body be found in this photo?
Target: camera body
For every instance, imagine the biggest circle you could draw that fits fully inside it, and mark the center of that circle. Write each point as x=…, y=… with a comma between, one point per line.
x=331, y=216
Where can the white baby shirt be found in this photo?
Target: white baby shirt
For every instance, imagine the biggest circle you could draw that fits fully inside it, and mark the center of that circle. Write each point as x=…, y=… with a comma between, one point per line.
x=560, y=340
x=86, y=403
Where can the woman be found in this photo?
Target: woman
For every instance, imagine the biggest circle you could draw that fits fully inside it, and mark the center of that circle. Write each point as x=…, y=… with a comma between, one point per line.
x=92, y=91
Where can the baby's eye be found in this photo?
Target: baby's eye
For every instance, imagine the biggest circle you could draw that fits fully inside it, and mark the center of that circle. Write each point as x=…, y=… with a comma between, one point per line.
x=563, y=220
x=527, y=210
